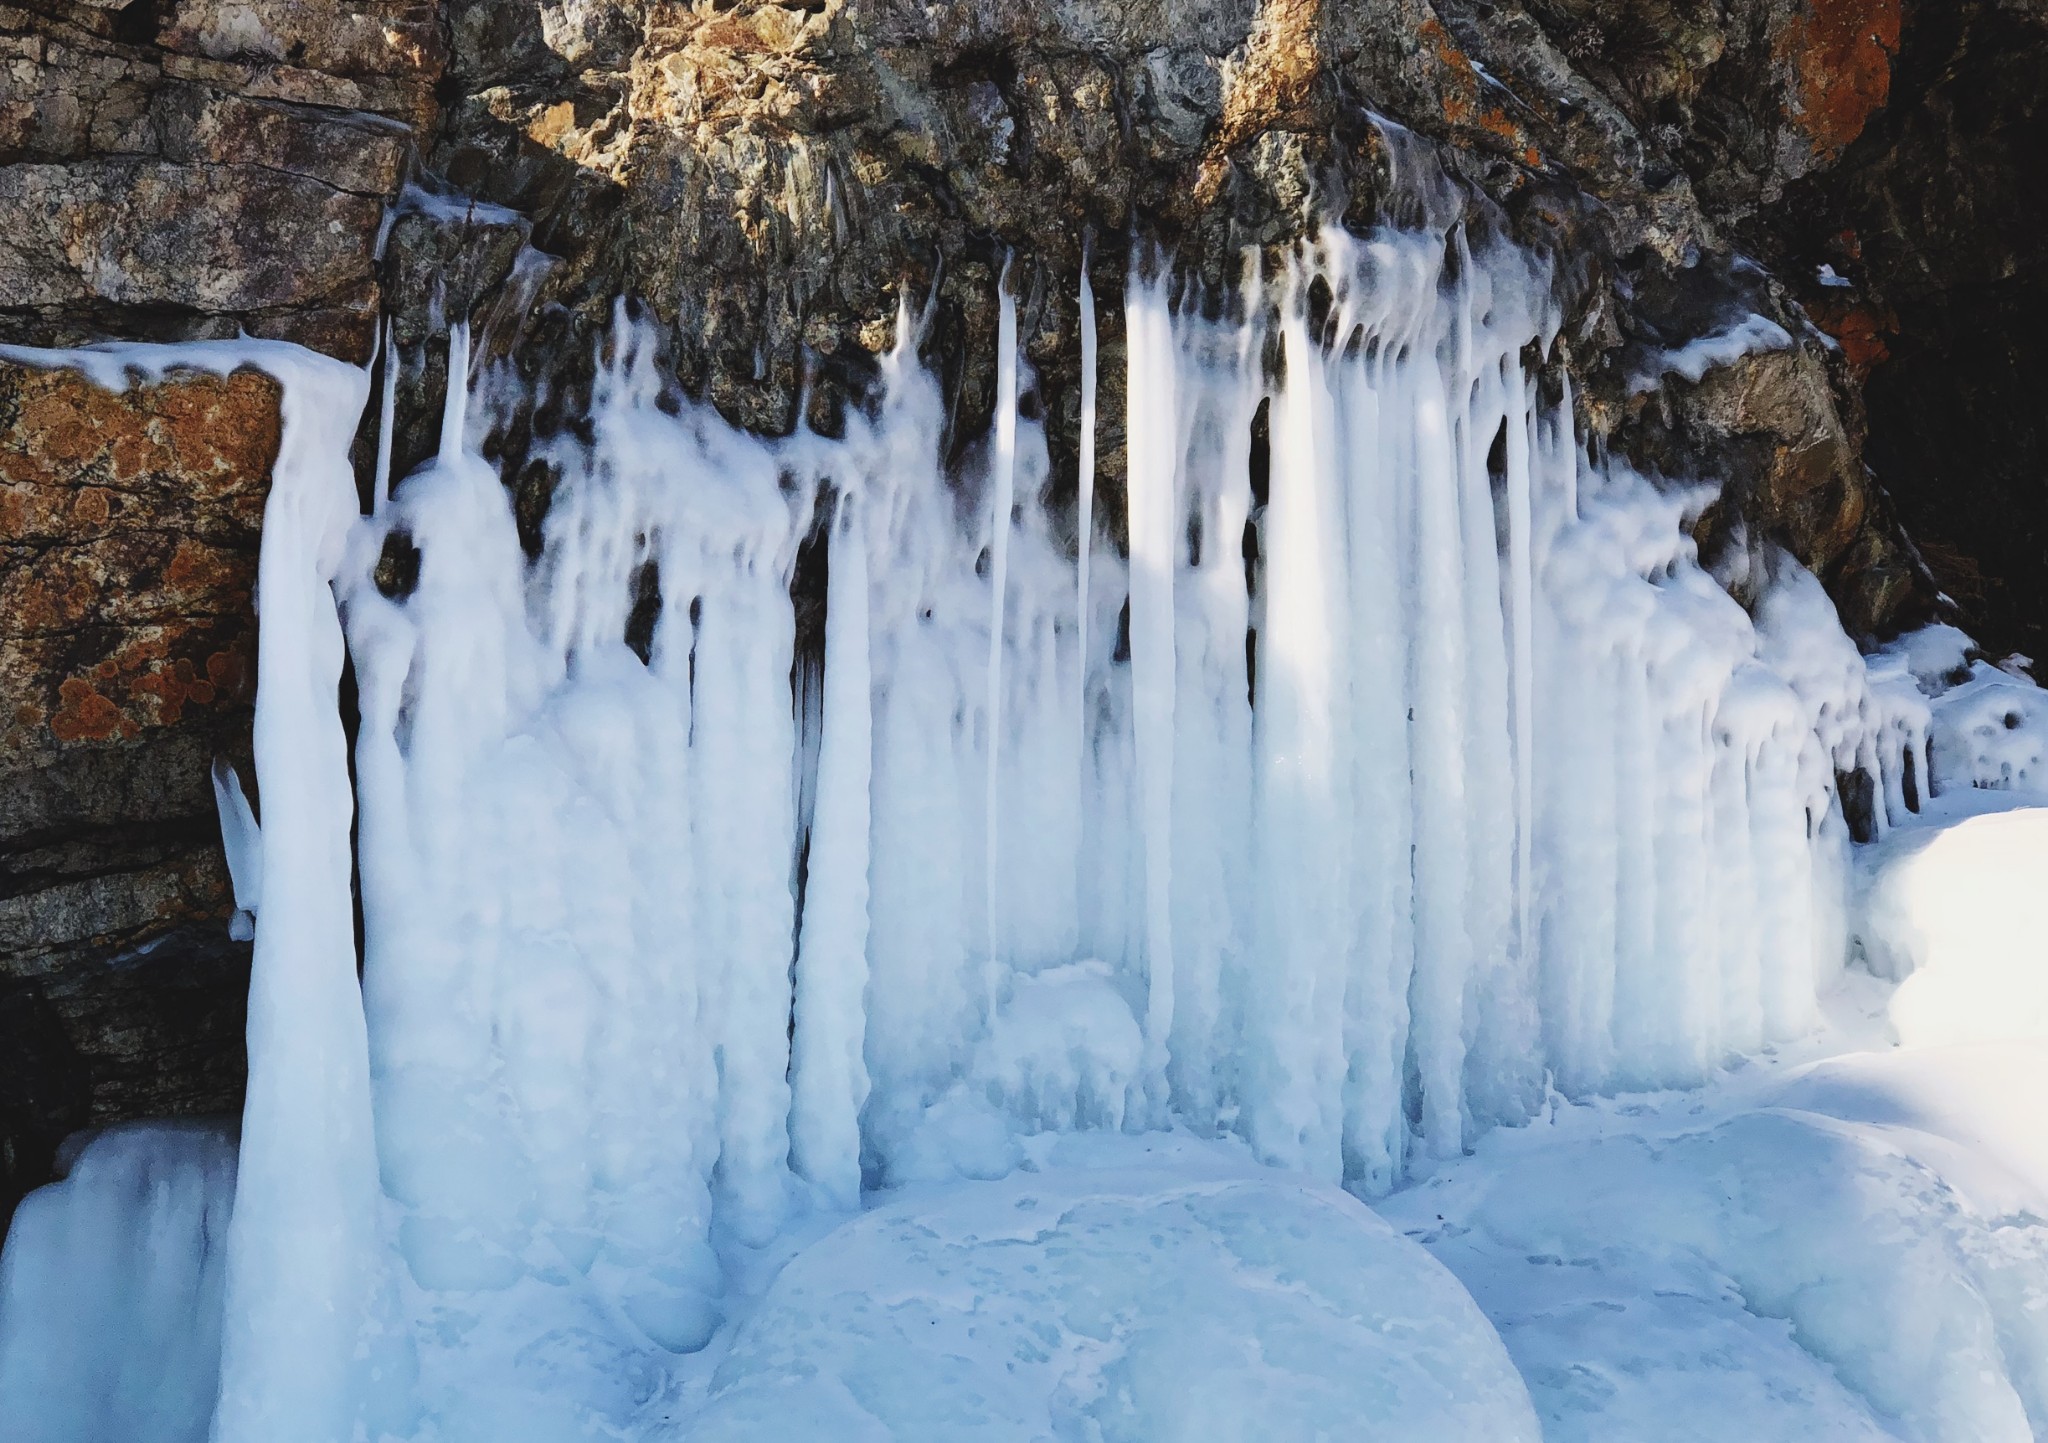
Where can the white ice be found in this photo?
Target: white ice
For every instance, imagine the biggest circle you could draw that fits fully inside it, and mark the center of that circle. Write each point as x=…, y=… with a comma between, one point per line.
x=1848, y=1249
x=1751, y=334
x=1134, y=1290
x=110, y=1290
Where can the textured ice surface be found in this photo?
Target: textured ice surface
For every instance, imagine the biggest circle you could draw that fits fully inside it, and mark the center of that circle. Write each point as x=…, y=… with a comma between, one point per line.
x=1991, y=731
x=1190, y=1296
x=1854, y=1253
x=110, y=1291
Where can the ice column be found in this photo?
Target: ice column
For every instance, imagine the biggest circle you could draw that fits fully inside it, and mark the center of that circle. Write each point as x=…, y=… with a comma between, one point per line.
x=1155, y=536
x=1002, y=502
x=828, y=1076
x=303, y=1253
x=1084, y=515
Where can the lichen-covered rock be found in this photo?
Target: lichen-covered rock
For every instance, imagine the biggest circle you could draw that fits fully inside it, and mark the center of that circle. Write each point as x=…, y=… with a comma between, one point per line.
x=128, y=533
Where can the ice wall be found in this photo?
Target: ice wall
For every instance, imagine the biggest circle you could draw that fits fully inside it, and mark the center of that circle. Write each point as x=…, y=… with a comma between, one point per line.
x=1404, y=764
x=1474, y=782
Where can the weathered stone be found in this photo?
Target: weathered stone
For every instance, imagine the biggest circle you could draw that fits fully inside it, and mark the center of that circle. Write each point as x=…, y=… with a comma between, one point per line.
x=128, y=533
x=204, y=239
x=336, y=37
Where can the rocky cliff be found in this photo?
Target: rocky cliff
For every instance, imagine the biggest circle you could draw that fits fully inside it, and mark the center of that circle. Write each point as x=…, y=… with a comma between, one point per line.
x=769, y=179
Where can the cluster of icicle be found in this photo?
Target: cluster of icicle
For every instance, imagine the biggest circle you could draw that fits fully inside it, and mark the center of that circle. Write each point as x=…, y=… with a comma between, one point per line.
x=666, y=943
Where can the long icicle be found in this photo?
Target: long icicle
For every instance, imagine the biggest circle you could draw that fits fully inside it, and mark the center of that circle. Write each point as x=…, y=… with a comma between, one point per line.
x=1150, y=495
x=828, y=1076
x=1084, y=524
x=455, y=402
x=1005, y=478
x=387, y=411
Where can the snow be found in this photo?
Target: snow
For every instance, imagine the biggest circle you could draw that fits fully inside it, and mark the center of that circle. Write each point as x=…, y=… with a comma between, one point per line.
x=110, y=1290
x=1848, y=1248
x=1958, y=914
x=1165, y=1289
x=1748, y=336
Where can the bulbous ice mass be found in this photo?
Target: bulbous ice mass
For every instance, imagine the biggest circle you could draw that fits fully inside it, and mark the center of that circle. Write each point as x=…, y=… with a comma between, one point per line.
x=1128, y=1304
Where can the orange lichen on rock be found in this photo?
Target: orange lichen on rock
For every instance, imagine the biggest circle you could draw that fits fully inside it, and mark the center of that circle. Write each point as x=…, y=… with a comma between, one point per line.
x=1841, y=54
x=1272, y=88
x=85, y=715
x=128, y=535
x=165, y=688
x=1860, y=331
x=1459, y=78
x=1461, y=83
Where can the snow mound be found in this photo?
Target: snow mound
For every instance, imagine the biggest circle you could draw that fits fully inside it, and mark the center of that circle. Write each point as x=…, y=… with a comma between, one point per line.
x=1209, y=1303
x=1779, y=1274
x=1959, y=911
x=1991, y=731
x=110, y=1291
x=1971, y=1112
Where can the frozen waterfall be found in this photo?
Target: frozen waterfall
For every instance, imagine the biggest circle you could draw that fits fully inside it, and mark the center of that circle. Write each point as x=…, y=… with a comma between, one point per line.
x=1472, y=783
x=1401, y=764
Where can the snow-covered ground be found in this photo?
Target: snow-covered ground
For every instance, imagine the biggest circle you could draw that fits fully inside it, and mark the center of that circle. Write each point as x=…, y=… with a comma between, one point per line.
x=1841, y=1240
x=1812, y=1247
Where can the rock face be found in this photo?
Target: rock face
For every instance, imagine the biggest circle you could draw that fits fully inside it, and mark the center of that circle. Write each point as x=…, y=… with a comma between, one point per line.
x=181, y=168
x=770, y=180
x=128, y=534
x=1935, y=222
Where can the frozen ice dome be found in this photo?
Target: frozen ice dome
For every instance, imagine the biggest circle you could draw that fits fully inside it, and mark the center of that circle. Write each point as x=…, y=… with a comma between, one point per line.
x=1208, y=1302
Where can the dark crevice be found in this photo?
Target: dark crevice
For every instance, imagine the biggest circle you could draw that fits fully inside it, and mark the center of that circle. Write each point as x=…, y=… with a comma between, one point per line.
x=645, y=613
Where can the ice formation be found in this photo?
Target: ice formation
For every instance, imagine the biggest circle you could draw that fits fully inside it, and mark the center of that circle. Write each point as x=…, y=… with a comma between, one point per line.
x=1406, y=766
x=1117, y=1295
x=110, y=1290
x=1851, y=1249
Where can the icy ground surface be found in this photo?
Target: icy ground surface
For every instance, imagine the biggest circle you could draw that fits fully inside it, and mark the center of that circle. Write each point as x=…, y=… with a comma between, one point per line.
x=1131, y=1288
x=1840, y=1241
x=1811, y=1247
x=1843, y=1240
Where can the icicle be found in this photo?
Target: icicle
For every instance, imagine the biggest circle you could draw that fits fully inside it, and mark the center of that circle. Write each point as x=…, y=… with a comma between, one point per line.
x=1521, y=607
x=303, y=1269
x=1443, y=946
x=455, y=400
x=1152, y=492
x=1003, y=477
x=1084, y=516
x=828, y=1078
x=387, y=414
x=1304, y=848
x=242, y=842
